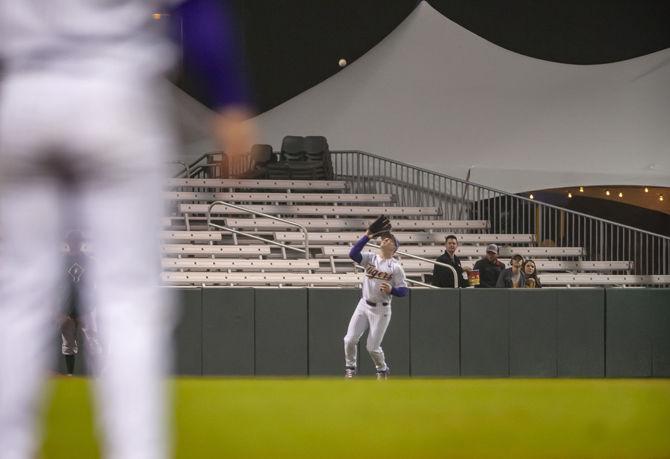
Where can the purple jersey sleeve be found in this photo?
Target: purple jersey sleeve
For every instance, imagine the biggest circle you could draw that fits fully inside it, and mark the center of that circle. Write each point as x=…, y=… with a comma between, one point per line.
x=355, y=252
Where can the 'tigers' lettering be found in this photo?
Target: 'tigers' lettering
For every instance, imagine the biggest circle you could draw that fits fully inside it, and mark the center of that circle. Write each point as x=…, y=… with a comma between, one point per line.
x=374, y=273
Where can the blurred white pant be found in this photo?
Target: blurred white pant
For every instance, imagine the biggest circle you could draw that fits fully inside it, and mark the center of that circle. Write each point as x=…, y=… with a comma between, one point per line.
x=91, y=150
x=377, y=318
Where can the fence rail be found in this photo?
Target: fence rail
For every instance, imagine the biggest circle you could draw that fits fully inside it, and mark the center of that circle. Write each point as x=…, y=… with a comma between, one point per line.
x=507, y=213
x=460, y=199
x=215, y=165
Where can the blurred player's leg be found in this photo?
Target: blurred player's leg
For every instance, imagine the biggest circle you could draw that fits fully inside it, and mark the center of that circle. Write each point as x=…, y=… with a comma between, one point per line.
x=357, y=326
x=89, y=331
x=134, y=318
x=121, y=205
x=379, y=322
x=29, y=281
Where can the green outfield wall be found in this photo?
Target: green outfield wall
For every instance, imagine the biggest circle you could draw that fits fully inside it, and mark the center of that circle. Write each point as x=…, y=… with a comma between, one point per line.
x=590, y=332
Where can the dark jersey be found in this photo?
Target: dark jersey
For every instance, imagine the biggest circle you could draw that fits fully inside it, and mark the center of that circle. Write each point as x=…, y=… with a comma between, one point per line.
x=75, y=273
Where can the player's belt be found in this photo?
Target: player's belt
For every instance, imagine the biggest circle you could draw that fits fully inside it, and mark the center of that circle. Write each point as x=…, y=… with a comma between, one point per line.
x=376, y=304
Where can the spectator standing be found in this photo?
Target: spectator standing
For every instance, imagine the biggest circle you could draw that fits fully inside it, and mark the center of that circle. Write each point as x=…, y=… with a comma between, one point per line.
x=444, y=277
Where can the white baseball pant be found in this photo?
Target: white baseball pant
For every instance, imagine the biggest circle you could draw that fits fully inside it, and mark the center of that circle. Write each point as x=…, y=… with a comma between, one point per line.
x=377, y=318
x=92, y=148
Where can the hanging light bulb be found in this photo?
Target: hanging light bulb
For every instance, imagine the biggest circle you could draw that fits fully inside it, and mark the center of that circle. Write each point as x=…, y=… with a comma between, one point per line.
x=569, y=195
x=607, y=192
x=646, y=189
x=531, y=196
x=660, y=198
x=581, y=189
x=620, y=194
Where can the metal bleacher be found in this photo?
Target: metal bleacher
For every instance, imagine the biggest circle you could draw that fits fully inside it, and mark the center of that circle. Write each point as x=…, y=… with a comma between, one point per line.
x=335, y=216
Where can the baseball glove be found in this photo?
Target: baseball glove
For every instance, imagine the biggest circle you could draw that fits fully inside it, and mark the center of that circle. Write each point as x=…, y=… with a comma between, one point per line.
x=381, y=225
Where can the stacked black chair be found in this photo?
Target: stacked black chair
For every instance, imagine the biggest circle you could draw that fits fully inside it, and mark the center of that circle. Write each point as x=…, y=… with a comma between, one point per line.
x=261, y=157
x=293, y=148
x=302, y=158
x=317, y=152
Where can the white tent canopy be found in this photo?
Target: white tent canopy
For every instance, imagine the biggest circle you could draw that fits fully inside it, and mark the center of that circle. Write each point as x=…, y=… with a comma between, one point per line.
x=437, y=96
x=440, y=97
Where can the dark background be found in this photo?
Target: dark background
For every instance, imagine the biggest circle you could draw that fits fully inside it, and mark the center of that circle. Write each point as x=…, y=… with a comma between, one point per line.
x=291, y=45
x=626, y=214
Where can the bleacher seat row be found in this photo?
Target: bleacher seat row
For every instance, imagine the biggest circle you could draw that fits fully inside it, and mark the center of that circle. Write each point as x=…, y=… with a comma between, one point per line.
x=195, y=254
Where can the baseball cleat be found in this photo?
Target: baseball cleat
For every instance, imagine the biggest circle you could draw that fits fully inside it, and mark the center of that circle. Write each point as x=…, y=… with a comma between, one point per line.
x=383, y=374
x=349, y=372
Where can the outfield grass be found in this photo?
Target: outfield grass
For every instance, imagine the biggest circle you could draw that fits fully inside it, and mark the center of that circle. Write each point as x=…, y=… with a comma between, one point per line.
x=399, y=418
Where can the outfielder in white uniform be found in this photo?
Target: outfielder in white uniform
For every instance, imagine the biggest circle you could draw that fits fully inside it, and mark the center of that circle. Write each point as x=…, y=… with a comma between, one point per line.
x=384, y=278
x=85, y=130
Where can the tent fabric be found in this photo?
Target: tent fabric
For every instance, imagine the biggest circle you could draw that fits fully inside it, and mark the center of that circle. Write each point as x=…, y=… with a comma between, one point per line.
x=437, y=96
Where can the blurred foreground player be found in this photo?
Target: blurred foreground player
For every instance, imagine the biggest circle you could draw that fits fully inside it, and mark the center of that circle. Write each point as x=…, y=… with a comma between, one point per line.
x=84, y=132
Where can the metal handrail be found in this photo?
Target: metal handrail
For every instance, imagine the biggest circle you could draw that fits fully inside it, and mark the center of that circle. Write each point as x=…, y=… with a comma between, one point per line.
x=187, y=169
x=465, y=193
x=255, y=212
x=405, y=254
x=601, y=239
x=194, y=167
x=226, y=167
x=495, y=190
x=466, y=182
x=507, y=213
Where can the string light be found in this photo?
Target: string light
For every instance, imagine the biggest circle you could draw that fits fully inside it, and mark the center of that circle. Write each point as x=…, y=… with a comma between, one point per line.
x=531, y=196
x=581, y=189
x=620, y=194
x=646, y=189
x=661, y=198
x=156, y=16
x=569, y=195
x=607, y=192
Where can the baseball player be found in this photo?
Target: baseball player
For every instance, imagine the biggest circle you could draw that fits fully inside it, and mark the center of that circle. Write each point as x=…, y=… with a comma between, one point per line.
x=85, y=129
x=76, y=317
x=384, y=278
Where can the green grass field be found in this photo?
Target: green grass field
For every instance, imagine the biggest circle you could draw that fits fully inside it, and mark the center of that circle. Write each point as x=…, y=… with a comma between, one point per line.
x=400, y=418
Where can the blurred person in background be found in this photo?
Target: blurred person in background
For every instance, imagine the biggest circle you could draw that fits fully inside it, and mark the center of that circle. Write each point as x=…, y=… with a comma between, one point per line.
x=75, y=318
x=85, y=130
x=489, y=267
x=512, y=277
x=532, y=281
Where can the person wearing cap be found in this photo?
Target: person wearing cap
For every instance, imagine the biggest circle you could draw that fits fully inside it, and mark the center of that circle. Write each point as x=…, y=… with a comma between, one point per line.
x=489, y=267
x=512, y=277
x=444, y=277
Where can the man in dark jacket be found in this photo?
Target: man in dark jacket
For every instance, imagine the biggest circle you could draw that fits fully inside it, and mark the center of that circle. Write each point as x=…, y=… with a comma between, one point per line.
x=443, y=276
x=489, y=267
